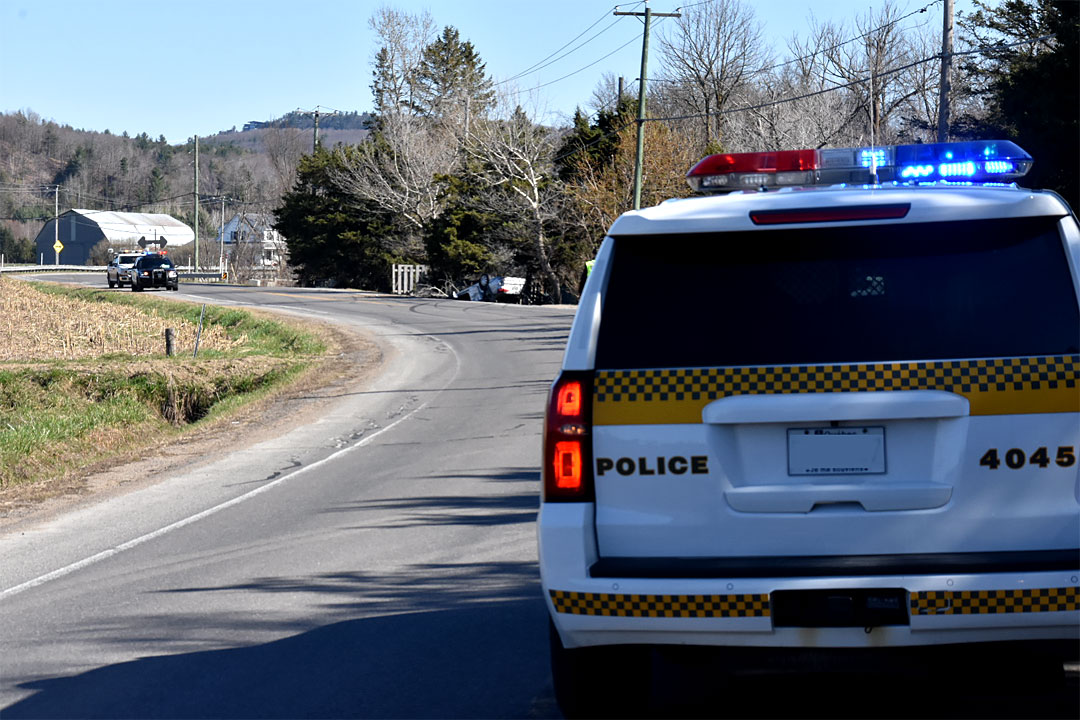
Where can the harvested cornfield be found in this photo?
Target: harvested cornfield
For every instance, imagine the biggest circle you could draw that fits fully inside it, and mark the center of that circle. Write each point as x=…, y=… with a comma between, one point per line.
x=36, y=325
x=84, y=377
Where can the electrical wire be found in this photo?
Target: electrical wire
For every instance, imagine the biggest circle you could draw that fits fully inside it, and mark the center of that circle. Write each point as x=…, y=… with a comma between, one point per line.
x=539, y=65
x=782, y=101
x=859, y=81
x=812, y=55
x=582, y=69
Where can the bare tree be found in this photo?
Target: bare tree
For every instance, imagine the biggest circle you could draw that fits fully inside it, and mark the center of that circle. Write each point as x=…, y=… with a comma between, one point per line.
x=709, y=53
x=396, y=169
x=605, y=96
x=284, y=148
x=403, y=38
x=875, y=60
x=512, y=158
x=795, y=104
x=603, y=192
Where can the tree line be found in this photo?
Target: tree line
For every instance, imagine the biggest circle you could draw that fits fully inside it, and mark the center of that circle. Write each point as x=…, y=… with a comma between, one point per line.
x=458, y=173
x=106, y=171
x=465, y=175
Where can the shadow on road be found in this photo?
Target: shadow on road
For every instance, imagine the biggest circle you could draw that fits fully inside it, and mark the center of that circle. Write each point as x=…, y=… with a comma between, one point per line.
x=482, y=660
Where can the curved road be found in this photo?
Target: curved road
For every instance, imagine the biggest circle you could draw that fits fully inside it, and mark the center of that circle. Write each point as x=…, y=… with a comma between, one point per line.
x=380, y=562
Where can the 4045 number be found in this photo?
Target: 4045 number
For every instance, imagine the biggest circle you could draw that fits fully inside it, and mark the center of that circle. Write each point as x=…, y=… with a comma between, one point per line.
x=1016, y=459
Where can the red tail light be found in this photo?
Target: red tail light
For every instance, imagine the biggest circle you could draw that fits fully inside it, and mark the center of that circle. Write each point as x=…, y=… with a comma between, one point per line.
x=567, y=442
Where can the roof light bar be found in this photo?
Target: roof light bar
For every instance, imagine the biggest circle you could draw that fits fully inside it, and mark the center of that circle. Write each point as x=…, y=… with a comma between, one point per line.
x=979, y=161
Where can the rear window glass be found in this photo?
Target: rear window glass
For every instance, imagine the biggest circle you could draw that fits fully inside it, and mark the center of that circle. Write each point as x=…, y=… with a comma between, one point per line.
x=972, y=289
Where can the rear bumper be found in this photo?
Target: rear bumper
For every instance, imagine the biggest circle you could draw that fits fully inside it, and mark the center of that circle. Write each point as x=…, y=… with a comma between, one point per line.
x=953, y=603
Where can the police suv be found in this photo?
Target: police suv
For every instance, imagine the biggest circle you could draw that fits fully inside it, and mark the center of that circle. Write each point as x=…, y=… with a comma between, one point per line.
x=854, y=425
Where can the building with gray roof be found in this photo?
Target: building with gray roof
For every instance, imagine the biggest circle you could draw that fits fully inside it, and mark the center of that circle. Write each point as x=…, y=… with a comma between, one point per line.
x=80, y=230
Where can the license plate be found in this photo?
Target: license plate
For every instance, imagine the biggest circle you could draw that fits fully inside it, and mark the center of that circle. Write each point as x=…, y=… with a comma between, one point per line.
x=836, y=451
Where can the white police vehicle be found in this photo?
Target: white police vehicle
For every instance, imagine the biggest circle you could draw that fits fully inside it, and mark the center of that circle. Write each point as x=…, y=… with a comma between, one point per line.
x=118, y=271
x=855, y=425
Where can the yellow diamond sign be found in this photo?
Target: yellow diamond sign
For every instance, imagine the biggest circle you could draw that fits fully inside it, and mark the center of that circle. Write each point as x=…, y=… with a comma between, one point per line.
x=58, y=246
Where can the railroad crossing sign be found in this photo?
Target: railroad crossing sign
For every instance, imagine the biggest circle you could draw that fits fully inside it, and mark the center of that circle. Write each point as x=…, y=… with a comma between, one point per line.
x=58, y=246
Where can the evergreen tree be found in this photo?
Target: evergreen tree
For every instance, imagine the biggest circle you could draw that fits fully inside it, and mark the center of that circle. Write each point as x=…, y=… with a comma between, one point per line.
x=596, y=142
x=16, y=250
x=457, y=241
x=330, y=238
x=156, y=189
x=451, y=79
x=1033, y=90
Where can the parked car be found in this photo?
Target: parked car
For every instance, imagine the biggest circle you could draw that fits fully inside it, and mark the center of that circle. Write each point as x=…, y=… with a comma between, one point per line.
x=153, y=270
x=494, y=288
x=118, y=270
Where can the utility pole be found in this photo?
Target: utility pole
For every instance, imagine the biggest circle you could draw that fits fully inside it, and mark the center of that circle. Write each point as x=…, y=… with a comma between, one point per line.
x=639, y=159
x=946, y=72
x=622, y=89
x=315, y=114
x=56, y=222
x=221, y=238
x=196, y=203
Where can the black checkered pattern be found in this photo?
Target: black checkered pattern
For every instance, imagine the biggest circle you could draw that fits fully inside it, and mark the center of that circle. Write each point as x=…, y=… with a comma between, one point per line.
x=656, y=606
x=984, y=602
x=961, y=377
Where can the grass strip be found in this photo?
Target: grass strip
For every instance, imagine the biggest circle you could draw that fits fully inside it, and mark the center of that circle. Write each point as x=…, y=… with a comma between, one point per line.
x=58, y=416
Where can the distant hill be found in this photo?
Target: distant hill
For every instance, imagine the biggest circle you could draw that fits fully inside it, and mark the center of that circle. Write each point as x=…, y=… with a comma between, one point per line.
x=255, y=139
x=347, y=128
x=305, y=121
x=46, y=164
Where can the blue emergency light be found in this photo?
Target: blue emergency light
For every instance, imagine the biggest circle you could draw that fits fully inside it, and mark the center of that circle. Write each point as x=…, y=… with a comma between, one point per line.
x=974, y=162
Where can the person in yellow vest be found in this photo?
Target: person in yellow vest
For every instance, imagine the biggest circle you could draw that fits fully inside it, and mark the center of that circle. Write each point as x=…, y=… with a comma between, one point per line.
x=585, y=275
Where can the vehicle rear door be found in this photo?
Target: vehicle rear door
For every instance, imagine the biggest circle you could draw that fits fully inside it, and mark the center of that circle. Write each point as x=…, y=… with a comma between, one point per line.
x=854, y=390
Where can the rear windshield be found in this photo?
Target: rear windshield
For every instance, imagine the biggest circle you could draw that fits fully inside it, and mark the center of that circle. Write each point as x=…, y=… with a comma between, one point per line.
x=972, y=289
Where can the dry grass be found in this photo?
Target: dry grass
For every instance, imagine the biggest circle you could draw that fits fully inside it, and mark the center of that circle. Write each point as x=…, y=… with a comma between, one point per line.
x=84, y=376
x=35, y=325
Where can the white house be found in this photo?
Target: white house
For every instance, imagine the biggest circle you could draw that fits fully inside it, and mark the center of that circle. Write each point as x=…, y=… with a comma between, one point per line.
x=245, y=230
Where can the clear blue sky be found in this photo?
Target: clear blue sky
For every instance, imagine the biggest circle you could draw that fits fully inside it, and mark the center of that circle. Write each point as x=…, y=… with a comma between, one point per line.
x=183, y=67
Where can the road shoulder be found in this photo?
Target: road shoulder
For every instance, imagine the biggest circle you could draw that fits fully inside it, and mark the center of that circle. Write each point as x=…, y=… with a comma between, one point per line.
x=352, y=359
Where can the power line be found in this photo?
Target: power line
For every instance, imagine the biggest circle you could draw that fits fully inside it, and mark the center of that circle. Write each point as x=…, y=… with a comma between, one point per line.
x=581, y=69
x=858, y=81
x=782, y=101
x=539, y=65
x=814, y=54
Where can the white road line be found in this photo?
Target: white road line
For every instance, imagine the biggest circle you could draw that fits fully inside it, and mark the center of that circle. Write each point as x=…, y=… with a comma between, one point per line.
x=105, y=554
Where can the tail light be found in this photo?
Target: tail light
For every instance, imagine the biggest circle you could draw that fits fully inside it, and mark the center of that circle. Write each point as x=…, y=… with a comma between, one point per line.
x=568, y=475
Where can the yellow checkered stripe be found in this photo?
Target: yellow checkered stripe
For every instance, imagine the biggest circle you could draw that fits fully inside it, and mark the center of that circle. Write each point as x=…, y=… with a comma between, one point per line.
x=661, y=606
x=993, y=387
x=986, y=602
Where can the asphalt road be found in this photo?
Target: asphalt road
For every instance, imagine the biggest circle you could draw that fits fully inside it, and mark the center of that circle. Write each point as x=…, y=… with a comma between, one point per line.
x=379, y=562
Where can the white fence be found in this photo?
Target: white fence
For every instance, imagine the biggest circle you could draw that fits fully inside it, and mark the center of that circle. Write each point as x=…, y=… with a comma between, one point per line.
x=405, y=277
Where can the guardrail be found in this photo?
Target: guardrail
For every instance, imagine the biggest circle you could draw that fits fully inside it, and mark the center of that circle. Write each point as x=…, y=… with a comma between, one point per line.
x=94, y=268
x=6, y=268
